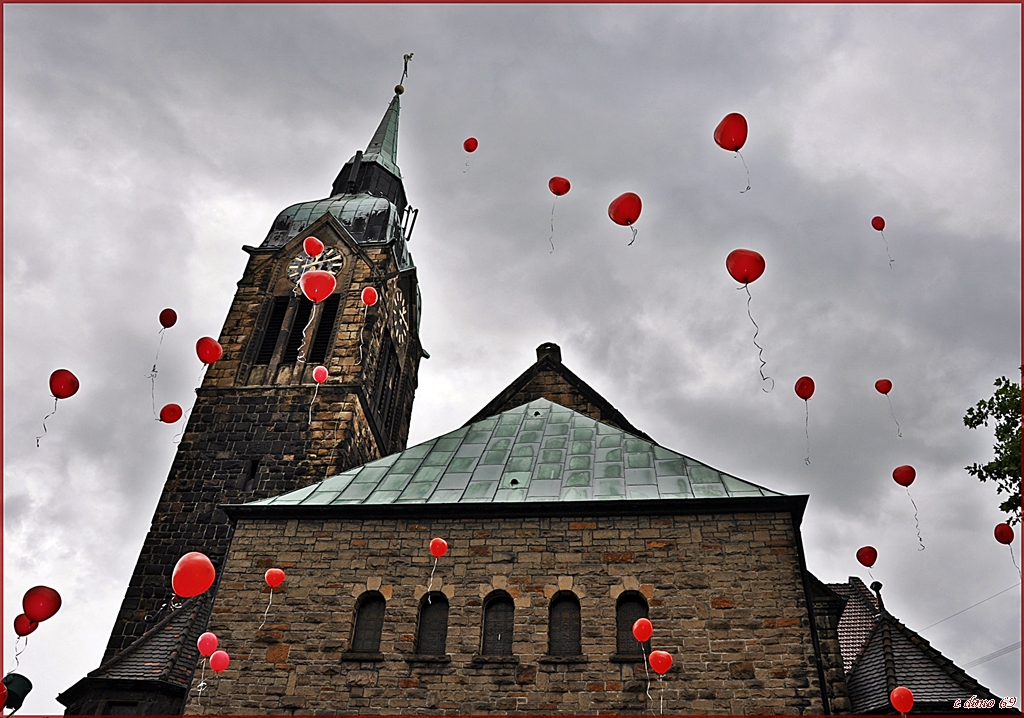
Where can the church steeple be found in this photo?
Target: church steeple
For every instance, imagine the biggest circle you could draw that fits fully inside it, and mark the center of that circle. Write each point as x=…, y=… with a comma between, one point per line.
x=383, y=147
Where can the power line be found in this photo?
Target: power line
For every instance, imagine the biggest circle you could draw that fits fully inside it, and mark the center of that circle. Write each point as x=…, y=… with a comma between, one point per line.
x=972, y=606
x=995, y=654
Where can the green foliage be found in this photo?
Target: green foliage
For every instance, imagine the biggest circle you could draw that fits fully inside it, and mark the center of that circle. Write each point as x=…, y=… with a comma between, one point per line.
x=1004, y=408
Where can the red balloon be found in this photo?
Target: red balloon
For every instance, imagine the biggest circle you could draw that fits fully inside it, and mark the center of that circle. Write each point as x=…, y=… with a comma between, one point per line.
x=558, y=186
x=1004, y=533
x=878, y=223
x=804, y=387
x=744, y=265
x=317, y=285
x=470, y=144
x=731, y=132
x=883, y=386
x=209, y=350
x=193, y=575
x=661, y=661
x=320, y=374
x=40, y=603
x=312, y=246
x=170, y=413
x=23, y=625
x=625, y=209
x=642, y=630
x=219, y=661
x=63, y=384
x=369, y=296
x=207, y=643
x=867, y=555
x=438, y=547
x=902, y=699
x=168, y=318
x=274, y=577
x=904, y=475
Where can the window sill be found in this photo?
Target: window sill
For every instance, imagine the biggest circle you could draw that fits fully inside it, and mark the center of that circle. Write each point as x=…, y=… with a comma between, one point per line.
x=563, y=659
x=429, y=659
x=361, y=656
x=494, y=661
x=626, y=658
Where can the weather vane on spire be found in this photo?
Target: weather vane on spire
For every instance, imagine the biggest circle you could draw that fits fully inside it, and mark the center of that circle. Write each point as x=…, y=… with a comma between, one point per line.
x=405, y=73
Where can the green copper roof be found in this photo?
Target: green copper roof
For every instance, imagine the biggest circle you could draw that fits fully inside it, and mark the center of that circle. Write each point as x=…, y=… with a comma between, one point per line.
x=383, y=147
x=540, y=451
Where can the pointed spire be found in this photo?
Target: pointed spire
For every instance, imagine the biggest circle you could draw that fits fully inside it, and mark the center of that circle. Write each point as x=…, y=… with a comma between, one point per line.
x=383, y=147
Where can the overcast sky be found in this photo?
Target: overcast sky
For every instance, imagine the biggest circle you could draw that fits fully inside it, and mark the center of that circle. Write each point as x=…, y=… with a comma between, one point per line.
x=144, y=145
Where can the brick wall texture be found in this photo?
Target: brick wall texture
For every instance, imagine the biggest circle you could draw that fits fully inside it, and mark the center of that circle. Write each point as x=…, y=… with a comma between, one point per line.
x=725, y=594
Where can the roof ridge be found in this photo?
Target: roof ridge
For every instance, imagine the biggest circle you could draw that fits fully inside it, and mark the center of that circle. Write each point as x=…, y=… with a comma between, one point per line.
x=135, y=645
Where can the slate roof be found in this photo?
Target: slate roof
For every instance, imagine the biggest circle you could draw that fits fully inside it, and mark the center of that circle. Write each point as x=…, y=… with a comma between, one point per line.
x=166, y=652
x=880, y=653
x=540, y=451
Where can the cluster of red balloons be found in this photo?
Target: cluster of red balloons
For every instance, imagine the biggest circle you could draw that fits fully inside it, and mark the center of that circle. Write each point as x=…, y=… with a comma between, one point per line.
x=192, y=575
x=207, y=644
x=316, y=284
x=38, y=604
x=660, y=661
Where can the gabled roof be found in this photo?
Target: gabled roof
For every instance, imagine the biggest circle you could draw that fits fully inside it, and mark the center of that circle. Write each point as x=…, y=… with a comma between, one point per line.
x=551, y=379
x=888, y=654
x=540, y=451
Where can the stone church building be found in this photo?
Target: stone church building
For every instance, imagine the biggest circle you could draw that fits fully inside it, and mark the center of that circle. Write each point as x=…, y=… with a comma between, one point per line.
x=565, y=524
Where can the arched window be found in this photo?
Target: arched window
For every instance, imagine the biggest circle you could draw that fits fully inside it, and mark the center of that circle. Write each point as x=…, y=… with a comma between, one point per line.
x=630, y=606
x=369, y=623
x=499, y=612
x=432, y=632
x=564, y=625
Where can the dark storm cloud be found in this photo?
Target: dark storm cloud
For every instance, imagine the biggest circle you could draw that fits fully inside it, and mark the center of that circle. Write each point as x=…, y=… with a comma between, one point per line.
x=144, y=145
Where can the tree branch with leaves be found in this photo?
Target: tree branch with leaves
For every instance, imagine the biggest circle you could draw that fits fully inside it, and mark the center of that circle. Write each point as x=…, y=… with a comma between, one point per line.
x=1003, y=408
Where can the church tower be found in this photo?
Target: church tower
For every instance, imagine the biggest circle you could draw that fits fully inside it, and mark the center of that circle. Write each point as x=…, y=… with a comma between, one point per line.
x=260, y=425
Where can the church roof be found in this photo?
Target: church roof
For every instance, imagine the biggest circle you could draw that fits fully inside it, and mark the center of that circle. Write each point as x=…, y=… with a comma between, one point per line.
x=880, y=653
x=383, y=147
x=540, y=451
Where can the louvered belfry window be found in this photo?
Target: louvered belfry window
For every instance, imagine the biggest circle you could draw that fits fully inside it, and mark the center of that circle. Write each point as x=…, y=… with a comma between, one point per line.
x=564, y=626
x=432, y=633
x=499, y=614
x=324, y=330
x=631, y=606
x=369, y=623
x=295, y=337
x=273, y=330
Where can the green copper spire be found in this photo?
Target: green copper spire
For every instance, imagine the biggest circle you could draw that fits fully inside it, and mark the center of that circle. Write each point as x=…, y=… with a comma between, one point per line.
x=383, y=147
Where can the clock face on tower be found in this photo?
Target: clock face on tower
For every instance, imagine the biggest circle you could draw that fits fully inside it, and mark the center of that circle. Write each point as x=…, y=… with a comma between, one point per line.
x=398, y=313
x=330, y=260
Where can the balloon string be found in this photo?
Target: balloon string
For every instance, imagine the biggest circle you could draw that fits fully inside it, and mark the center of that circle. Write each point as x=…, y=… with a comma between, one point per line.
x=268, y=608
x=871, y=574
x=552, y=227
x=301, y=358
x=184, y=423
x=644, y=652
x=1013, y=558
x=44, y=421
x=334, y=445
x=744, y=167
x=760, y=349
x=467, y=166
x=365, y=307
x=431, y=582
x=662, y=695
x=916, y=522
x=153, y=372
x=315, y=390
x=807, y=413
x=202, y=683
x=899, y=431
x=891, y=260
x=634, y=236
x=17, y=661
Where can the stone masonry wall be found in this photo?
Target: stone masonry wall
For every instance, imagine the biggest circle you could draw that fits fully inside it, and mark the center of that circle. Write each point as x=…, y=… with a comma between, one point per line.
x=725, y=594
